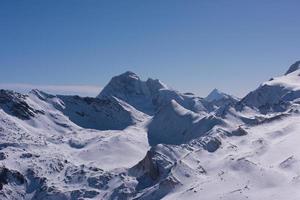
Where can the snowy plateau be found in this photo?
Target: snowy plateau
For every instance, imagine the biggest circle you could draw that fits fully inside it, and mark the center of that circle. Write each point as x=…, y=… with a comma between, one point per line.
x=143, y=140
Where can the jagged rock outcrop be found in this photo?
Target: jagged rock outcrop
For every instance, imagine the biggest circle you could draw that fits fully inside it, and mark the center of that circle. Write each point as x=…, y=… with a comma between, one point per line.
x=16, y=104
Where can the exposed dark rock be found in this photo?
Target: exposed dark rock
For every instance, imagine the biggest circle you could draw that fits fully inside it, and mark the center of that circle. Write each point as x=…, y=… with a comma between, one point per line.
x=8, y=176
x=238, y=132
x=147, y=166
x=80, y=194
x=99, y=182
x=34, y=183
x=212, y=144
x=3, y=156
x=28, y=155
x=74, y=174
x=123, y=192
x=208, y=143
x=15, y=104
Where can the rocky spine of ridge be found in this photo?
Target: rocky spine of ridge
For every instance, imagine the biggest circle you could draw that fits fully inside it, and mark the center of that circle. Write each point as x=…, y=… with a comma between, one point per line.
x=293, y=67
x=95, y=113
x=16, y=104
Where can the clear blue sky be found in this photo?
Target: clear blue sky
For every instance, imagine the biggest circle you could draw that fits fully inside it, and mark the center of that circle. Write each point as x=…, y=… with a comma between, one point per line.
x=191, y=45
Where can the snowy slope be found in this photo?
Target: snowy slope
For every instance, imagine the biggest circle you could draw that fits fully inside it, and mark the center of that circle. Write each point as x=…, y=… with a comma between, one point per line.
x=174, y=124
x=87, y=112
x=47, y=156
x=265, y=164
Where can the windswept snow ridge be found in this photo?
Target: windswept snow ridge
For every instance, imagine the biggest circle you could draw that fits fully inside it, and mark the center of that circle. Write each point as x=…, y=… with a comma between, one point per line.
x=276, y=94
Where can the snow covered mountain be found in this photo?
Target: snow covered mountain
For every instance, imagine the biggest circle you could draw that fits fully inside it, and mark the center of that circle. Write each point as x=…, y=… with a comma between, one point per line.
x=219, y=100
x=149, y=96
x=276, y=94
x=216, y=95
x=143, y=140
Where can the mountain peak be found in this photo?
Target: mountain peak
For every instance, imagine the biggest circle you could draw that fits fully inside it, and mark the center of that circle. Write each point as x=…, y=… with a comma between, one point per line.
x=293, y=67
x=123, y=84
x=129, y=74
x=215, y=90
x=131, y=89
x=215, y=94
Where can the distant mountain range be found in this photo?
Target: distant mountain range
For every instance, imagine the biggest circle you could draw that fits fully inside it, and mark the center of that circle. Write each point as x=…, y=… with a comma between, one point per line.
x=144, y=140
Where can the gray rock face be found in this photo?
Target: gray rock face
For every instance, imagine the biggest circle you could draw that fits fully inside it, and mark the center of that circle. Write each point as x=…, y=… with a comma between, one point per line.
x=15, y=104
x=153, y=173
x=8, y=176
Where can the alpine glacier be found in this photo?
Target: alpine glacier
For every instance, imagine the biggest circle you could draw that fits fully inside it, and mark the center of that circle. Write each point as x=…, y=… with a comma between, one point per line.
x=143, y=140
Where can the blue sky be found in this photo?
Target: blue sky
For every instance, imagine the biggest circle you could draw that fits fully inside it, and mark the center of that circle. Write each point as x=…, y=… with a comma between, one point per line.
x=191, y=45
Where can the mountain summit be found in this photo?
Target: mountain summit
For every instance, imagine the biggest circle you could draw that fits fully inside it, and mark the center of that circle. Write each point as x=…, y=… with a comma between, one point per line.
x=124, y=85
x=148, y=96
x=216, y=95
x=131, y=89
x=293, y=67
